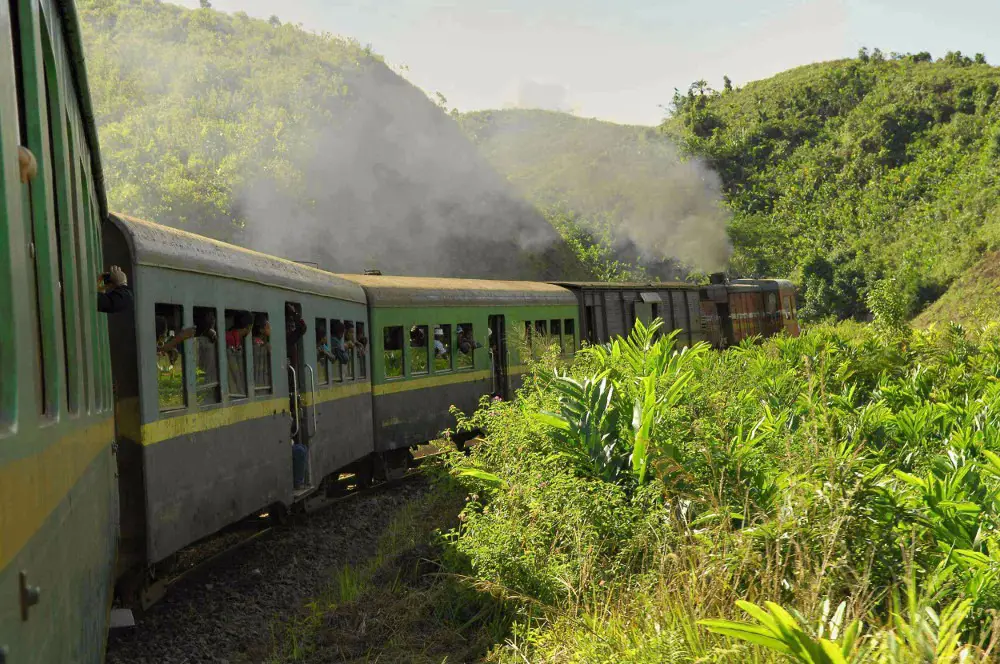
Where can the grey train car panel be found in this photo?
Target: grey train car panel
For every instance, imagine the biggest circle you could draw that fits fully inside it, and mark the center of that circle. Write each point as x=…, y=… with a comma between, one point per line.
x=195, y=469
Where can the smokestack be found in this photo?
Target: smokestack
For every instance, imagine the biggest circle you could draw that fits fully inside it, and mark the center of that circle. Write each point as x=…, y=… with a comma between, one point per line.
x=717, y=278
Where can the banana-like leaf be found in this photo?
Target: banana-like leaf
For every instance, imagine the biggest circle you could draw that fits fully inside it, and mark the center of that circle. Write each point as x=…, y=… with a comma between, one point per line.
x=746, y=632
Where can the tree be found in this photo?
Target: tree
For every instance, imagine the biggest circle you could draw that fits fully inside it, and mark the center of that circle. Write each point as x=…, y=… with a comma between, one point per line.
x=727, y=85
x=205, y=4
x=980, y=59
x=274, y=20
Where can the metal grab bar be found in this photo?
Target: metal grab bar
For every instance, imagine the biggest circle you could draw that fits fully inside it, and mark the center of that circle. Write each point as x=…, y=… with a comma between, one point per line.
x=295, y=399
x=312, y=381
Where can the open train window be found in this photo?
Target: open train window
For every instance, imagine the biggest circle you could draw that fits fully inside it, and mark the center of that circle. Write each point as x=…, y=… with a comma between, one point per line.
x=322, y=353
x=349, y=343
x=527, y=335
x=418, y=349
x=206, y=348
x=361, y=348
x=542, y=340
x=338, y=348
x=569, y=337
x=261, y=354
x=555, y=329
x=170, y=336
x=392, y=348
x=442, y=348
x=238, y=325
x=466, y=343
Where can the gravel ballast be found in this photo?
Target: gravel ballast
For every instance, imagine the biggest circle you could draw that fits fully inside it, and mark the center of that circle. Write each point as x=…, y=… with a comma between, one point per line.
x=225, y=614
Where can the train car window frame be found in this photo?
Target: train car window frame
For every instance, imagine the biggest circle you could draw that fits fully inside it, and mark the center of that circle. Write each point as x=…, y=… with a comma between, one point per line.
x=361, y=342
x=236, y=350
x=322, y=362
x=460, y=363
x=167, y=362
x=554, y=335
x=8, y=352
x=419, y=341
x=393, y=361
x=542, y=334
x=263, y=382
x=206, y=343
x=448, y=355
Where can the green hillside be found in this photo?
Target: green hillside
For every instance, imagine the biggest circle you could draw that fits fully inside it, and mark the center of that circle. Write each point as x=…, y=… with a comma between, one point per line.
x=841, y=173
x=307, y=146
x=627, y=185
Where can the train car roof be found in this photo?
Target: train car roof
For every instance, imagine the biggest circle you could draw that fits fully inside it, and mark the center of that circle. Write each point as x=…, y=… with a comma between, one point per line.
x=162, y=246
x=390, y=291
x=70, y=22
x=626, y=285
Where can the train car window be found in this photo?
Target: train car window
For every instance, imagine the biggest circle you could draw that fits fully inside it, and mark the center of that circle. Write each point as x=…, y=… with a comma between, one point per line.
x=527, y=335
x=238, y=326
x=442, y=348
x=361, y=348
x=466, y=343
x=338, y=332
x=392, y=348
x=555, y=329
x=418, y=349
x=569, y=337
x=61, y=204
x=349, y=343
x=206, y=347
x=261, y=353
x=171, y=386
x=542, y=338
x=322, y=353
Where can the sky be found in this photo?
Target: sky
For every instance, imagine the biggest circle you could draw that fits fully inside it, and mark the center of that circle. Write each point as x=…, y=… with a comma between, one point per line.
x=620, y=60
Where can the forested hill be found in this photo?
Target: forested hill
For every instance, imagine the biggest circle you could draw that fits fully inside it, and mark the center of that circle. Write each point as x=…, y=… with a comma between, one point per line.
x=307, y=146
x=844, y=172
x=628, y=186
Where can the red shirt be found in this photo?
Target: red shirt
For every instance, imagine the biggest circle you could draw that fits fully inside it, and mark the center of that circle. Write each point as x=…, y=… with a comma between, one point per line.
x=234, y=339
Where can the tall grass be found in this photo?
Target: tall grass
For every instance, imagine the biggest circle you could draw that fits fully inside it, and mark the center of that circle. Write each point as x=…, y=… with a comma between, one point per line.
x=823, y=499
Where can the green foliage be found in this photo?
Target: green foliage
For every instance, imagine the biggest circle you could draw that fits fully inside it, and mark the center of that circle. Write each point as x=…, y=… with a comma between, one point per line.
x=842, y=173
x=889, y=306
x=847, y=480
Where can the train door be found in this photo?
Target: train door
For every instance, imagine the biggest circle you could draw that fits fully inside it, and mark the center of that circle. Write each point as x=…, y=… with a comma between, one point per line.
x=298, y=382
x=725, y=324
x=498, y=356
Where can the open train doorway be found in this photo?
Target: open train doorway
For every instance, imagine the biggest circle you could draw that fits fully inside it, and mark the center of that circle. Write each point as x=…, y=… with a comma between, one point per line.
x=295, y=332
x=725, y=323
x=498, y=356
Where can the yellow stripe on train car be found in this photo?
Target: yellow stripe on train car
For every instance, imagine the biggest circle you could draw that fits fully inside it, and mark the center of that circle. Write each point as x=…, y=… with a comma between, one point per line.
x=32, y=487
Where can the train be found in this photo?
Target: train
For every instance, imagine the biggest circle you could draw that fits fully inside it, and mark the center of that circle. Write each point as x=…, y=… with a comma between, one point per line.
x=126, y=437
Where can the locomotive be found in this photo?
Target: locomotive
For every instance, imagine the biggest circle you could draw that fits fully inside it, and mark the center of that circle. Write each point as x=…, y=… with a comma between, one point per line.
x=114, y=456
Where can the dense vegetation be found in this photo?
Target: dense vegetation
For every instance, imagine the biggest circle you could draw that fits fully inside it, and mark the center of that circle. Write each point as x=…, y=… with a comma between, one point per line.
x=824, y=499
x=303, y=145
x=842, y=172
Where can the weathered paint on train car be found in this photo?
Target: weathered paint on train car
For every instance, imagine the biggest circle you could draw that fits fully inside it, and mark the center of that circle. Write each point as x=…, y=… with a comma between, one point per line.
x=412, y=407
x=212, y=456
x=57, y=474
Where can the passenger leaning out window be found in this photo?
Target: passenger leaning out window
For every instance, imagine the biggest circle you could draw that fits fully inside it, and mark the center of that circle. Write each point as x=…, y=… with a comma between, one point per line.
x=338, y=344
x=242, y=322
x=113, y=294
x=323, y=346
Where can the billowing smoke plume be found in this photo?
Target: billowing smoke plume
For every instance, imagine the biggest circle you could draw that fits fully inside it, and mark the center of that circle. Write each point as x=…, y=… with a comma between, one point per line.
x=391, y=183
x=665, y=212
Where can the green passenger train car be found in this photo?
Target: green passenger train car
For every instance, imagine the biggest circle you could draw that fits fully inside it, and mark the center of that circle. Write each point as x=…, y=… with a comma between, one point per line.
x=57, y=470
x=442, y=342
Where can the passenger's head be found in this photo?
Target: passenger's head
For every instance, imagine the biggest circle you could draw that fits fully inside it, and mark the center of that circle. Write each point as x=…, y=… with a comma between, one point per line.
x=290, y=312
x=337, y=329
x=261, y=326
x=242, y=321
x=320, y=335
